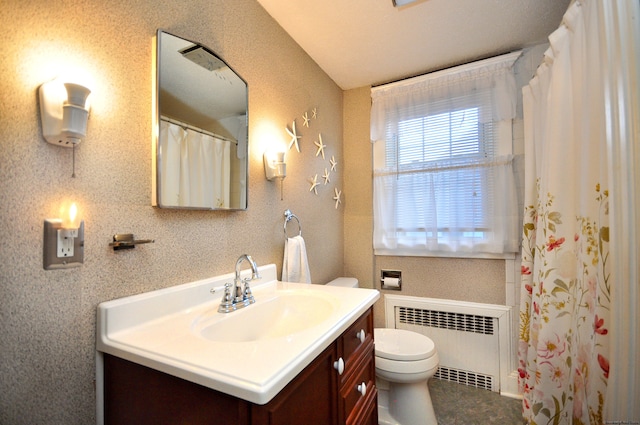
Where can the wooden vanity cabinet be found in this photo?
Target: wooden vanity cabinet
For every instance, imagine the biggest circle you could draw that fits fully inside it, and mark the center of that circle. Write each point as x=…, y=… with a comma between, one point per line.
x=310, y=398
x=135, y=394
x=358, y=394
x=319, y=395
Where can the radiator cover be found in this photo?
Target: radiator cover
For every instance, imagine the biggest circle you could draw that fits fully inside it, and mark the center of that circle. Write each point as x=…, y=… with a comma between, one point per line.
x=467, y=336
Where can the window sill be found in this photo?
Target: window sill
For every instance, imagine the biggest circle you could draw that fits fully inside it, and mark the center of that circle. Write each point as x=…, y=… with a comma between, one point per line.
x=442, y=254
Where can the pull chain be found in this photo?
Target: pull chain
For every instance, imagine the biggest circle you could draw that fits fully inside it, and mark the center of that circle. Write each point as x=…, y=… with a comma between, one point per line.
x=73, y=161
x=281, y=189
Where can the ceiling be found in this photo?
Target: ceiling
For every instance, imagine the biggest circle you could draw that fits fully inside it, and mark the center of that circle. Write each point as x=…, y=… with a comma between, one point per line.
x=368, y=42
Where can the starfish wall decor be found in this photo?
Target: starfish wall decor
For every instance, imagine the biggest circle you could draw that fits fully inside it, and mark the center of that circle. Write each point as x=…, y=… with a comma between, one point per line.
x=314, y=184
x=294, y=136
x=325, y=176
x=333, y=163
x=307, y=116
x=320, y=146
x=336, y=198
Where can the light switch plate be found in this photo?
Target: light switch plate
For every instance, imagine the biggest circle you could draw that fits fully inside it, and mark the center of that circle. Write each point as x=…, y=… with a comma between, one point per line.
x=56, y=256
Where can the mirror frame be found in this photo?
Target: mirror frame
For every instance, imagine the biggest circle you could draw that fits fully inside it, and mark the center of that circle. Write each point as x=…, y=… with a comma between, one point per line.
x=156, y=156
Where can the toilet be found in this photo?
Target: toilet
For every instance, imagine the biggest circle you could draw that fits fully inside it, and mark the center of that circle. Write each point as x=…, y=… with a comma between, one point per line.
x=404, y=361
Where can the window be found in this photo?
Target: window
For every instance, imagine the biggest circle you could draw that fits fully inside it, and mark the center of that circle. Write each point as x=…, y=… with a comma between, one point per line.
x=450, y=144
x=443, y=182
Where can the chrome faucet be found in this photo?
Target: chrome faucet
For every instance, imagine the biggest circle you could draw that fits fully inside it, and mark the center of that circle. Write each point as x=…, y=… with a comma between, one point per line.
x=238, y=294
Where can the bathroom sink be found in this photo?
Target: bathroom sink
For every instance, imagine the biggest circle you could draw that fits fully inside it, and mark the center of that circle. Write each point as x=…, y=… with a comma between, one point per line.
x=251, y=353
x=283, y=315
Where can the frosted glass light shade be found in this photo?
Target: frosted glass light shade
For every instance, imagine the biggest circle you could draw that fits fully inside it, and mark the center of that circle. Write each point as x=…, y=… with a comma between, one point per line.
x=76, y=94
x=64, y=112
x=274, y=165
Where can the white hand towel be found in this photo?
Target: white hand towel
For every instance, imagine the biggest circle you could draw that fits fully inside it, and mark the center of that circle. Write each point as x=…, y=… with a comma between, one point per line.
x=295, y=267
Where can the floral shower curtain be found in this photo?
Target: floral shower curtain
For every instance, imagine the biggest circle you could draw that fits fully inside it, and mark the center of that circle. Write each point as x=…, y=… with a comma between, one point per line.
x=566, y=296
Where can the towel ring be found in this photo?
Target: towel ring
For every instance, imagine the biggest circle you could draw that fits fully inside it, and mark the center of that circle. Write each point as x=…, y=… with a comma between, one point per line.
x=288, y=215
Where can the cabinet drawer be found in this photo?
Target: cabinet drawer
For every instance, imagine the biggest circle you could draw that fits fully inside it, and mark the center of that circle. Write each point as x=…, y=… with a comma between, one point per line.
x=355, y=339
x=367, y=414
x=356, y=394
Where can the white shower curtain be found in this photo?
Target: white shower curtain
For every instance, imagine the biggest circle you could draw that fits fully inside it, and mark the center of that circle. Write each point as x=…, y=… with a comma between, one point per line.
x=195, y=168
x=578, y=352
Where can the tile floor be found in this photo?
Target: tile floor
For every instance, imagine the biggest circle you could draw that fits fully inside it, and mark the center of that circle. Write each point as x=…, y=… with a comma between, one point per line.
x=457, y=404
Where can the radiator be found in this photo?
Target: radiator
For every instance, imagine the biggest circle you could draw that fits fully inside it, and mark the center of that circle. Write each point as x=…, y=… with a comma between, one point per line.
x=472, y=339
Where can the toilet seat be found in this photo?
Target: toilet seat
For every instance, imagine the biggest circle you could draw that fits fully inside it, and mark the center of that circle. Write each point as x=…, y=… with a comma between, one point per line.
x=417, y=367
x=402, y=345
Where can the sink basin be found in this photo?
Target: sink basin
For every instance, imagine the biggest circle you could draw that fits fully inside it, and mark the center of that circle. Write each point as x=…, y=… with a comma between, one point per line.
x=281, y=316
x=251, y=353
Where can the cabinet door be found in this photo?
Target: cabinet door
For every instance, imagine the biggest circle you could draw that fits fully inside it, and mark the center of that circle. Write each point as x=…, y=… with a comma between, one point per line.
x=138, y=395
x=310, y=399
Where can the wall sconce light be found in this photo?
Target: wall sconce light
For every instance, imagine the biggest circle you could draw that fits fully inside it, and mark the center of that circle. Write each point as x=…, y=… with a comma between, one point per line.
x=64, y=240
x=64, y=111
x=275, y=167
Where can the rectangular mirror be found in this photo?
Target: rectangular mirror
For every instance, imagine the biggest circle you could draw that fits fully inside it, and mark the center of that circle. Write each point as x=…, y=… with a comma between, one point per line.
x=200, y=146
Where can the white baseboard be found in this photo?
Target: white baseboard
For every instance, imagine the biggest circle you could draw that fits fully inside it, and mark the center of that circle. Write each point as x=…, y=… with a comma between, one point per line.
x=509, y=388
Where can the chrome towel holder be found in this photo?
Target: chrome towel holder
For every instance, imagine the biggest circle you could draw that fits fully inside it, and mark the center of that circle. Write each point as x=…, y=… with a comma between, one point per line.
x=288, y=215
x=127, y=241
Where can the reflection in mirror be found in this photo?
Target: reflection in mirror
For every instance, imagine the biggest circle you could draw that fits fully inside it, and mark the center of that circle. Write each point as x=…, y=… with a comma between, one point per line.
x=200, y=131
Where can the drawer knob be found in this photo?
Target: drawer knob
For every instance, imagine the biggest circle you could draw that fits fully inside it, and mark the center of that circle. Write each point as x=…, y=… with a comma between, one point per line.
x=339, y=366
x=362, y=389
x=361, y=335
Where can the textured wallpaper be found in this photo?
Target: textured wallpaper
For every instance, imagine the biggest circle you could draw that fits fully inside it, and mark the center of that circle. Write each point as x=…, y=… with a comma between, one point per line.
x=47, y=318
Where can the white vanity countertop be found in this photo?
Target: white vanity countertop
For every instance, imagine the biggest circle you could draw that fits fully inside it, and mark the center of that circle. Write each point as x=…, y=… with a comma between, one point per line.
x=160, y=330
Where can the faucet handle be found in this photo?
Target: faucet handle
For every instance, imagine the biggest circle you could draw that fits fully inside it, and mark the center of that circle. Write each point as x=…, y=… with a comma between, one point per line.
x=226, y=305
x=246, y=292
x=227, y=292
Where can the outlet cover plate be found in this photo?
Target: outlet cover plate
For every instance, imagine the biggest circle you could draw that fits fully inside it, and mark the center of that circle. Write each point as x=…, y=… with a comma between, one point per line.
x=50, y=258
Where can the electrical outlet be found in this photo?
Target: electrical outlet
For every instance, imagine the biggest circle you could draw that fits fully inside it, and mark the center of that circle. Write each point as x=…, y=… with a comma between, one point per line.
x=65, y=248
x=62, y=248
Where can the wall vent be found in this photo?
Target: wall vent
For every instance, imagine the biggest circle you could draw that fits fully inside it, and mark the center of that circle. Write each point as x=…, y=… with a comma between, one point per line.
x=446, y=320
x=465, y=377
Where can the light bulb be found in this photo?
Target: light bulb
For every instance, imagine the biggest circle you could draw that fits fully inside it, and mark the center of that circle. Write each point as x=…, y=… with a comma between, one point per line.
x=73, y=212
x=70, y=216
x=274, y=165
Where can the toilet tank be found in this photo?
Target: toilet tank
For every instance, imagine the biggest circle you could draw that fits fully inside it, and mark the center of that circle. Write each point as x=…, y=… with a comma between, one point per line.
x=345, y=282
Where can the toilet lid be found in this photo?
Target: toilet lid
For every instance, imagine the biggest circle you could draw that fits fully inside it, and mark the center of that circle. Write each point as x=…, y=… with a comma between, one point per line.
x=400, y=344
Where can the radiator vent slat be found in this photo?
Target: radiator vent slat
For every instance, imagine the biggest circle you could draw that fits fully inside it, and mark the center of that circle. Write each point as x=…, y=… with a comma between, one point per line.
x=446, y=320
x=465, y=377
